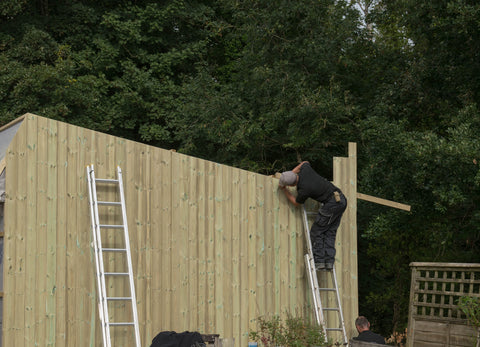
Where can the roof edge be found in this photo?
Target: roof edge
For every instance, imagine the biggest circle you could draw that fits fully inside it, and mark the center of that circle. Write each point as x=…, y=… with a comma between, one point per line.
x=13, y=122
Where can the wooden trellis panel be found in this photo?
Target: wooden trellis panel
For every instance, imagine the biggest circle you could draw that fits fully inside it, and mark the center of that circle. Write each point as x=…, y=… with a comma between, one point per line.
x=434, y=316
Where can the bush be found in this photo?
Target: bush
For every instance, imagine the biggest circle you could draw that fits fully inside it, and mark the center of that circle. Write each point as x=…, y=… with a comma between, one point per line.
x=471, y=307
x=294, y=332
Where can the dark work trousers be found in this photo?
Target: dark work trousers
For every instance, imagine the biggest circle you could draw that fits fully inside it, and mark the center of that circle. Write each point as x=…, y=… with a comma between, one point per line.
x=324, y=230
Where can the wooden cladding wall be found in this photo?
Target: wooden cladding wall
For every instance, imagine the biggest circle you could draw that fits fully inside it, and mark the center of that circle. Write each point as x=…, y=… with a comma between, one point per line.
x=213, y=247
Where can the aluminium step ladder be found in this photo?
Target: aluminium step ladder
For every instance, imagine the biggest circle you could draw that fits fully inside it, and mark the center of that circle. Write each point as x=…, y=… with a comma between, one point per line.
x=321, y=311
x=123, y=251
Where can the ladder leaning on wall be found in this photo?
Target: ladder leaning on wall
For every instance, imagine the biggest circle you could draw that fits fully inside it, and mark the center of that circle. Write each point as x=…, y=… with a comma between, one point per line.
x=320, y=311
x=99, y=250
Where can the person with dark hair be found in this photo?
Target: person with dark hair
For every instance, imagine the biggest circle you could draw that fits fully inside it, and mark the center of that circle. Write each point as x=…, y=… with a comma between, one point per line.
x=365, y=334
x=324, y=230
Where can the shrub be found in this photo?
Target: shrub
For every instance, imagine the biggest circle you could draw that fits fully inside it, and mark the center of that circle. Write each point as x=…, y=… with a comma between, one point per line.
x=294, y=332
x=471, y=307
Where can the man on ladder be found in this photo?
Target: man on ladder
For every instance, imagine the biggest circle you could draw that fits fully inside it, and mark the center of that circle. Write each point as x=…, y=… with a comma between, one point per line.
x=324, y=230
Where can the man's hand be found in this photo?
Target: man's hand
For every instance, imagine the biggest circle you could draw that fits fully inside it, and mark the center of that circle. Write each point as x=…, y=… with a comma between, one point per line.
x=289, y=195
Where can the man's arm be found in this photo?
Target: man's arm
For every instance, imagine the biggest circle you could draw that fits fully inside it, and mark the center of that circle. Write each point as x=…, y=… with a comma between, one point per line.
x=289, y=196
x=297, y=168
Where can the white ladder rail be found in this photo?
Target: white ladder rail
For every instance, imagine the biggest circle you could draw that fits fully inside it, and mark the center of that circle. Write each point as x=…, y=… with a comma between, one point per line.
x=312, y=276
x=316, y=289
x=129, y=259
x=99, y=266
x=99, y=262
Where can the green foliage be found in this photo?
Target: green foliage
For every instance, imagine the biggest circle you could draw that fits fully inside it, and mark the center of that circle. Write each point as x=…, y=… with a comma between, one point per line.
x=293, y=332
x=471, y=307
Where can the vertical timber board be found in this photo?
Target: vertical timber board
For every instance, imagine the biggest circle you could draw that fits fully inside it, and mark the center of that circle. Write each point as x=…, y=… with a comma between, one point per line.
x=345, y=177
x=294, y=255
x=164, y=275
x=51, y=245
x=75, y=173
x=81, y=252
x=244, y=253
x=292, y=214
x=156, y=274
x=194, y=244
x=61, y=244
x=30, y=227
x=227, y=248
x=210, y=244
x=251, y=231
x=236, y=252
x=268, y=242
x=218, y=259
x=140, y=242
x=180, y=198
x=191, y=244
x=202, y=244
x=41, y=231
x=260, y=234
x=282, y=227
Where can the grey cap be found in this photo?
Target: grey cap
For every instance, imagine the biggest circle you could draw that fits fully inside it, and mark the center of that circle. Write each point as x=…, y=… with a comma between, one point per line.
x=288, y=178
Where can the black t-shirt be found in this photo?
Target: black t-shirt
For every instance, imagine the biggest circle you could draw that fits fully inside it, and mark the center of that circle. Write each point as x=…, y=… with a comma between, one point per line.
x=312, y=185
x=370, y=336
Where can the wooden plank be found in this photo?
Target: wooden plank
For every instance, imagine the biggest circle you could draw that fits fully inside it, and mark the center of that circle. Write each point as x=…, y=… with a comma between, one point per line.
x=236, y=252
x=227, y=248
x=268, y=246
x=447, y=280
x=30, y=223
x=345, y=177
x=42, y=233
x=283, y=216
x=446, y=266
x=251, y=250
x=144, y=293
x=218, y=245
x=156, y=211
x=61, y=236
x=243, y=252
x=51, y=236
x=259, y=250
x=383, y=202
x=76, y=172
x=193, y=242
x=201, y=231
x=179, y=252
x=210, y=237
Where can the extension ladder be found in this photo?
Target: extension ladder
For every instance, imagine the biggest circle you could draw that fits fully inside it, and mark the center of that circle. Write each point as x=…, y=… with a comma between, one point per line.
x=123, y=251
x=320, y=311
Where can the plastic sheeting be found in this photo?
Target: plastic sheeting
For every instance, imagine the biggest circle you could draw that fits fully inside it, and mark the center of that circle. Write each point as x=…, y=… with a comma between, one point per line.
x=6, y=136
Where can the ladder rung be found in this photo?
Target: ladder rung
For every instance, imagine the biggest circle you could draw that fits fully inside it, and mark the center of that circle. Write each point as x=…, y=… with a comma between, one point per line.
x=116, y=273
x=109, y=203
x=331, y=309
x=114, y=249
x=121, y=324
x=327, y=289
x=106, y=180
x=334, y=329
x=118, y=298
x=109, y=226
